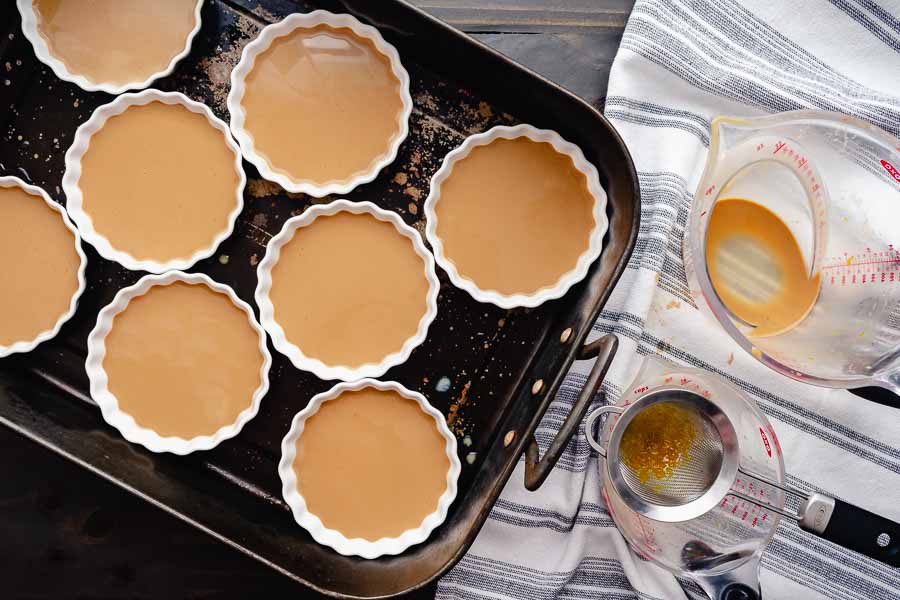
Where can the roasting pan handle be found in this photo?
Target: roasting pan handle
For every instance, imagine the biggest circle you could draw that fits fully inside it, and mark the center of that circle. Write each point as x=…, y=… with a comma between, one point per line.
x=538, y=468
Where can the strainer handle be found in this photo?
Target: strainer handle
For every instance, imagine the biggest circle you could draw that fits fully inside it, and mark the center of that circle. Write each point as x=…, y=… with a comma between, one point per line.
x=852, y=527
x=592, y=420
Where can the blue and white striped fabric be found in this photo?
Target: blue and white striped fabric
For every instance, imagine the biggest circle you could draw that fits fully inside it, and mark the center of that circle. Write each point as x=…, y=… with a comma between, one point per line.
x=681, y=63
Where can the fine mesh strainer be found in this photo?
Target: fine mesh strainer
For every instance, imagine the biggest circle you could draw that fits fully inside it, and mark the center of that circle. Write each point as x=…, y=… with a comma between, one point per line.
x=707, y=472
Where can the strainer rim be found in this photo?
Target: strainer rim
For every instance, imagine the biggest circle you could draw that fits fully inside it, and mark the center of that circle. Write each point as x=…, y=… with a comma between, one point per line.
x=707, y=500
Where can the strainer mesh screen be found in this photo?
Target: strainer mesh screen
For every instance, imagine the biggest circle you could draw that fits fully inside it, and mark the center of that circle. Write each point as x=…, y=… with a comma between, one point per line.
x=692, y=475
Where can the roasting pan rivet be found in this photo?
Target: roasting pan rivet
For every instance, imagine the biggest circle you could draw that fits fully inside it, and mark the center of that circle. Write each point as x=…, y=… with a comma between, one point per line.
x=537, y=387
x=508, y=438
x=565, y=335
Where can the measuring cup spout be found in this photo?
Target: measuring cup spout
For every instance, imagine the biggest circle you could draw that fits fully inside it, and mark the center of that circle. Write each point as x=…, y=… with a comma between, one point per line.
x=892, y=382
x=721, y=130
x=724, y=134
x=727, y=132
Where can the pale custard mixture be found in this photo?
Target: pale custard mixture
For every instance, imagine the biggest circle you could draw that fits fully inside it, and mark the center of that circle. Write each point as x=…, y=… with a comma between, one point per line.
x=322, y=105
x=159, y=182
x=514, y=216
x=349, y=289
x=115, y=41
x=757, y=267
x=183, y=360
x=38, y=265
x=371, y=464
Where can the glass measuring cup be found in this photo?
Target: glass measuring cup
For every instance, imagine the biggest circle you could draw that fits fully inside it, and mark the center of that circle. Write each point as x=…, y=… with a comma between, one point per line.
x=721, y=548
x=834, y=181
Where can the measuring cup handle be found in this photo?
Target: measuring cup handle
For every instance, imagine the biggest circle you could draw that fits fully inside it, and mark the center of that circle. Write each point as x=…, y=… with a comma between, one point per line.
x=589, y=426
x=852, y=527
x=537, y=468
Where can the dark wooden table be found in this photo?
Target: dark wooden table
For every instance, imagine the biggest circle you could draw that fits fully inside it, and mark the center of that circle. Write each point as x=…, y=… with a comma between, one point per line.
x=68, y=534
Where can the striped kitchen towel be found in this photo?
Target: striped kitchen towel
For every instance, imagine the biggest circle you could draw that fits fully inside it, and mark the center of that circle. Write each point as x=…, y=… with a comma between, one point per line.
x=681, y=63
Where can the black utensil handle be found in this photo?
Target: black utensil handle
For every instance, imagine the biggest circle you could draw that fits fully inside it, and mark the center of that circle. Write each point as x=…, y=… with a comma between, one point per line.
x=877, y=395
x=867, y=533
x=738, y=591
x=537, y=468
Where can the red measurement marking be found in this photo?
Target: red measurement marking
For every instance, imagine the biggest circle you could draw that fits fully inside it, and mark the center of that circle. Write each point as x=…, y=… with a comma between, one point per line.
x=648, y=535
x=779, y=146
x=754, y=522
x=744, y=518
x=891, y=169
x=765, y=440
x=888, y=261
x=864, y=267
x=775, y=440
x=642, y=389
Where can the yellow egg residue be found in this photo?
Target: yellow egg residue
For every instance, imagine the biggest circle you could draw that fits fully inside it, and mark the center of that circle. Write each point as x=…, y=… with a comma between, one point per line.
x=658, y=440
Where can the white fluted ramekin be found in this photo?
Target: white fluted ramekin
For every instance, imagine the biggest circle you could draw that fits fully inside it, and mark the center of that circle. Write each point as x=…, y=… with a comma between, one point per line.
x=333, y=538
x=29, y=345
x=566, y=280
x=109, y=404
x=267, y=310
x=248, y=59
x=43, y=54
x=75, y=198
